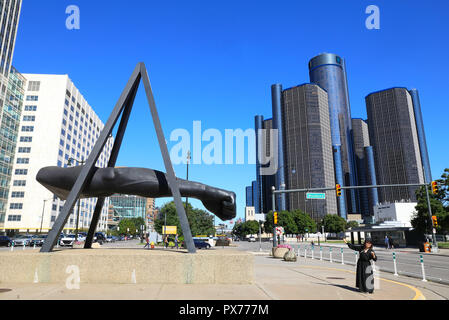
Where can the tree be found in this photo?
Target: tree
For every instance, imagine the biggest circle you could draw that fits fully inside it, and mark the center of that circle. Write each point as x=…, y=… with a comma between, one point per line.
x=246, y=228
x=421, y=220
x=333, y=223
x=304, y=223
x=132, y=224
x=352, y=224
x=443, y=194
x=201, y=222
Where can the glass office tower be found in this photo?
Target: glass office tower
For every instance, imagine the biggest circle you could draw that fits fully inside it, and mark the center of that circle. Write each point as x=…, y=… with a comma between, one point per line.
x=421, y=135
x=329, y=72
x=276, y=98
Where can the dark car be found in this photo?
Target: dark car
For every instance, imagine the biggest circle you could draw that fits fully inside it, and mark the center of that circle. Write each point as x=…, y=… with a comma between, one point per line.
x=200, y=244
x=5, y=241
x=38, y=240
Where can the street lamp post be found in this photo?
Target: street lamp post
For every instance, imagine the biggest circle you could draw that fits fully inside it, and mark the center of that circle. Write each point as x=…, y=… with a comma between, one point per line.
x=274, y=209
x=43, y=210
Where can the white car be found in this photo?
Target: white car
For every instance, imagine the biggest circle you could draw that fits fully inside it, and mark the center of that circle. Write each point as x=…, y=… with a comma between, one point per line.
x=67, y=241
x=252, y=239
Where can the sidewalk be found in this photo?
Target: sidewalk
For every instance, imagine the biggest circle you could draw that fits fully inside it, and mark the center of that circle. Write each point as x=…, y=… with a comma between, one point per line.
x=274, y=279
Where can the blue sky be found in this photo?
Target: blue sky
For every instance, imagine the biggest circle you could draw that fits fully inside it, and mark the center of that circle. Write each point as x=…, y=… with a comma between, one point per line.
x=214, y=61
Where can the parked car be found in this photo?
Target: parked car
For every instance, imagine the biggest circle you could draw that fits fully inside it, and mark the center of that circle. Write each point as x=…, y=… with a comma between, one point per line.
x=200, y=244
x=110, y=239
x=38, y=240
x=252, y=239
x=67, y=241
x=21, y=240
x=5, y=241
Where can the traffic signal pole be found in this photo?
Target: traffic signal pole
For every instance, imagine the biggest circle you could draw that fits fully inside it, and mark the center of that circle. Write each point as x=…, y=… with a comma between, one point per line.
x=273, y=190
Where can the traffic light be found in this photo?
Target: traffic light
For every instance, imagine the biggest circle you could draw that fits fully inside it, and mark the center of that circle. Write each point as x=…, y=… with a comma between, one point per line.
x=435, y=221
x=434, y=187
x=338, y=188
x=275, y=218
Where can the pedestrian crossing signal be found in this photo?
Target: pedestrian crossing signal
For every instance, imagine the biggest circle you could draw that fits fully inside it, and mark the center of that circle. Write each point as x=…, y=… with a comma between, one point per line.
x=275, y=218
x=434, y=187
x=338, y=188
x=435, y=221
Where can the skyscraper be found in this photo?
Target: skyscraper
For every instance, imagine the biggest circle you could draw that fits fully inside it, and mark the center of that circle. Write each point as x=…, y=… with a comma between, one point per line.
x=11, y=94
x=249, y=196
x=308, y=148
x=9, y=22
x=57, y=125
x=276, y=102
x=421, y=134
x=394, y=137
x=329, y=72
x=364, y=163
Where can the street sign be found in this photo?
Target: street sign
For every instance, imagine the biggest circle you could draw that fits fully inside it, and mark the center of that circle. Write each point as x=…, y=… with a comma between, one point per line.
x=279, y=230
x=169, y=230
x=311, y=196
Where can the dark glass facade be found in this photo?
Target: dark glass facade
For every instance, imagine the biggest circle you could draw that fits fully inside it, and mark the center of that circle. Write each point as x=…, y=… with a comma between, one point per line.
x=394, y=137
x=308, y=148
x=276, y=101
x=249, y=196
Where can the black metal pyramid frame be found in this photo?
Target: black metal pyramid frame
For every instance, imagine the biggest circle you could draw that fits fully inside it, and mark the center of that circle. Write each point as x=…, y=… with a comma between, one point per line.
x=123, y=107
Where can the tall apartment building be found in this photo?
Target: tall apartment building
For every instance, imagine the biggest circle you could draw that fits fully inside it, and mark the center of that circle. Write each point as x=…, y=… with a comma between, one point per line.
x=329, y=72
x=249, y=196
x=11, y=96
x=57, y=125
x=308, y=148
x=394, y=137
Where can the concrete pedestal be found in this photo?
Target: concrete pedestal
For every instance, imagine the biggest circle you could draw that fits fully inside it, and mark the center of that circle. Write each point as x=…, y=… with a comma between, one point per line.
x=114, y=266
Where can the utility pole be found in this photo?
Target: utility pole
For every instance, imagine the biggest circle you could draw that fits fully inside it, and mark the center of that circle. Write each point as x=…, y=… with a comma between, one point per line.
x=433, y=230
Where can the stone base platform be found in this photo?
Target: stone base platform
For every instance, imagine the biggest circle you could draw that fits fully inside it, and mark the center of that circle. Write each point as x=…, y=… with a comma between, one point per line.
x=127, y=266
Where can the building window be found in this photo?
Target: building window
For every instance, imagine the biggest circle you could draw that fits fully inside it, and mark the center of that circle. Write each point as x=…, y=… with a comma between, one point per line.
x=16, y=218
x=16, y=206
x=34, y=85
x=21, y=172
x=27, y=129
x=26, y=139
x=19, y=183
x=29, y=118
x=30, y=108
x=32, y=98
x=24, y=150
x=18, y=194
x=23, y=160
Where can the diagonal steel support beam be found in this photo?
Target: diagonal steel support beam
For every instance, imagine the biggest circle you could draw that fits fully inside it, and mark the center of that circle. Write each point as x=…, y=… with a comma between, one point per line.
x=86, y=173
x=171, y=178
x=112, y=161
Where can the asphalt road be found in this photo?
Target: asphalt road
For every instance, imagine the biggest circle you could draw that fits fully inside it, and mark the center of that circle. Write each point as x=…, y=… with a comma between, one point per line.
x=408, y=263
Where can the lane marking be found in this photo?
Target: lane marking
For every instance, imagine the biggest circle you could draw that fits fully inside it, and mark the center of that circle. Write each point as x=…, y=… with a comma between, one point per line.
x=418, y=294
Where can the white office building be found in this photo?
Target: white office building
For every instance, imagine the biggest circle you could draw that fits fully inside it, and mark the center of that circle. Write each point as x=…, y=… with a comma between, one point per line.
x=398, y=214
x=57, y=128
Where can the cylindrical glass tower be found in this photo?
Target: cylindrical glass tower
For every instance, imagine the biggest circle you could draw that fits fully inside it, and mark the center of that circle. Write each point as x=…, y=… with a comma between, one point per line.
x=258, y=202
x=276, y=97
x=329, y=72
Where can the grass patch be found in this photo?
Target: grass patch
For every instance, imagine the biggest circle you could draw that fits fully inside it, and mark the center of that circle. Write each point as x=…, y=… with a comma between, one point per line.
x=443, y=245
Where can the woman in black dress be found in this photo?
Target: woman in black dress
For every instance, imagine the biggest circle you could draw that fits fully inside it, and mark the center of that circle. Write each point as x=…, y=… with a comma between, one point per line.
x=364, y=277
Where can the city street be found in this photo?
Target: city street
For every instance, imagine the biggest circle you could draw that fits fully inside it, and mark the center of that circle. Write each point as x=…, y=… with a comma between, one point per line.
x=408, y=261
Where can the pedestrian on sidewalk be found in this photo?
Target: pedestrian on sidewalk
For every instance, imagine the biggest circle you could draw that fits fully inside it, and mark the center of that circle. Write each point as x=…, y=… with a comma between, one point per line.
x=364, y=277
x=390, y=241
x=166, y=241
x=387, y=242
x=147, y=239
x=176, y=242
